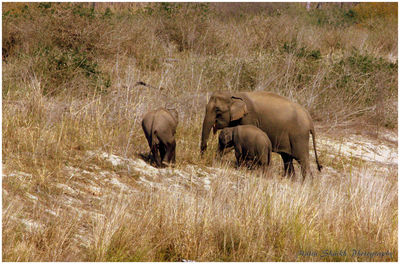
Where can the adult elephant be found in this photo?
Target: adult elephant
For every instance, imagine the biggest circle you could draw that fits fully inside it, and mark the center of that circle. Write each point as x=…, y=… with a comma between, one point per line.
x=286, y=123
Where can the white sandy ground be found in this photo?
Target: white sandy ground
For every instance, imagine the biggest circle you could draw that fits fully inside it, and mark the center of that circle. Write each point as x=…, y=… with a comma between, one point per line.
x=100, y=184
x=362, y=148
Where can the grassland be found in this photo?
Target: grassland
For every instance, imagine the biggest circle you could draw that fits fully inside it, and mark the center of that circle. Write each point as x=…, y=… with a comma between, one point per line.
x=69, y=94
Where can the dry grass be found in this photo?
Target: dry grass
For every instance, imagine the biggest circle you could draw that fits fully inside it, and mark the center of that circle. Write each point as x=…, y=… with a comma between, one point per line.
x=241, y=218
x=72, y=91
x=259, y=220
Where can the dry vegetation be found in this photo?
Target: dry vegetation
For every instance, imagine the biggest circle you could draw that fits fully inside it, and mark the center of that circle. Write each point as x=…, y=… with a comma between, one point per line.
x=68, y=89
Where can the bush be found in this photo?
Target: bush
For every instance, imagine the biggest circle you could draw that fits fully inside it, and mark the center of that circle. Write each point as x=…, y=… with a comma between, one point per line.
x=64, y=57
x=302, y=52
x=332, y=17
x=380, y=10
x=187, y=26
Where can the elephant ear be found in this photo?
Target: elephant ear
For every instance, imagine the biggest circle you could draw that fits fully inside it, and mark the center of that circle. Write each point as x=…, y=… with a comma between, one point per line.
x=238, y=108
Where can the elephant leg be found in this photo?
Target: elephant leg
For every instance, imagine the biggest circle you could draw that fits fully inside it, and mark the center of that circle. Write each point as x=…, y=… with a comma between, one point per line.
x=163, y=151
x=149, y=142
x=303, y=158
x=301, y=154
x=250, y=164
x=239, y=159
x=237, y=155
x=260, y=163
x=267, y=161
x=170, y=154
x=173, y=158
x=305, y=167
x=248, y=160
x=256, y=163
x=156, y=154
x=288, y=165
x=263, y=165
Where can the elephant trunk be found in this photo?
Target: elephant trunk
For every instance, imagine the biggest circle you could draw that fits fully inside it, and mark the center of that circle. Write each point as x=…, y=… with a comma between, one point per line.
x=208, y=123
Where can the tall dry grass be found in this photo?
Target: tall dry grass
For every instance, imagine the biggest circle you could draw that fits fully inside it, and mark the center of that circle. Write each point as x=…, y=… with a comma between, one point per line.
x=328, y=60
x=255, y=220
x=241, y=218
x=68, y=88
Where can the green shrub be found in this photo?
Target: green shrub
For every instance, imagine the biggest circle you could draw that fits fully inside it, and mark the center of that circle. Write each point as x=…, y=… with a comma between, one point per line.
x=333, y=17
x=301, y=52
x=62, y=48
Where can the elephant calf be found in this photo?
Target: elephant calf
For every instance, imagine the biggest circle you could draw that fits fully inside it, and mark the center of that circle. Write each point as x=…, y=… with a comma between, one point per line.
x=159, y=126
x=252, y=146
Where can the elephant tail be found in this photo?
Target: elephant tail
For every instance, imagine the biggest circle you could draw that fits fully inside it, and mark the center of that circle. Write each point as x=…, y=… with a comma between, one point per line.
x=312, y=131
x=154, y=138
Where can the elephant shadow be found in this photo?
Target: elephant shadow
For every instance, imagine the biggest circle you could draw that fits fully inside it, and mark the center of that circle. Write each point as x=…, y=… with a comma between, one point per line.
x=149, y=159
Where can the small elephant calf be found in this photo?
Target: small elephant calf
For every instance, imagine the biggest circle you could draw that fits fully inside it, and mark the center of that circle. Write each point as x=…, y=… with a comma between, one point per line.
x=159, y=127
x=252, y=146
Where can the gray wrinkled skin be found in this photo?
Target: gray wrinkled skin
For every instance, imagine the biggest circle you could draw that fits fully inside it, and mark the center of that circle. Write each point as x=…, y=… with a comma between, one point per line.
x=287, y=124
x=252, y=146
x=159, y=127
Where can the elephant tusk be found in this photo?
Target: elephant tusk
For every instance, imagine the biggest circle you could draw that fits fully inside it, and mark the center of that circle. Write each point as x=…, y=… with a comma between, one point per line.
x=215, y=129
